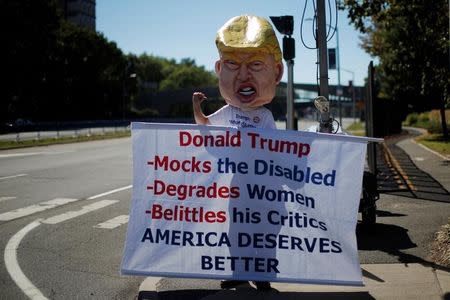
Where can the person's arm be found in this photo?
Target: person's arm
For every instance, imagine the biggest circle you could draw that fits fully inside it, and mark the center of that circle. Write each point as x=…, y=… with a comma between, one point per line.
x=200, y=118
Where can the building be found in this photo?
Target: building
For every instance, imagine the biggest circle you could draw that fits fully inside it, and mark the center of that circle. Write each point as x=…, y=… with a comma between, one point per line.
x=79, y=12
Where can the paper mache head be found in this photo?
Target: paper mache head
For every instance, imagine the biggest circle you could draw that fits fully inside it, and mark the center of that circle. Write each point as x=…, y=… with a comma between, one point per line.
x=250, y=65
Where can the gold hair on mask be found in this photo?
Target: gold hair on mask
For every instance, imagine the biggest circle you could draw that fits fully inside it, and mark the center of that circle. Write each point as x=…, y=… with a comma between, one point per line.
x=248, y=33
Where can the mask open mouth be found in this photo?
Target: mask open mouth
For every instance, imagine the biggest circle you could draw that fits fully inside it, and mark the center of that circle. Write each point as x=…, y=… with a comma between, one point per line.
x=247, y=91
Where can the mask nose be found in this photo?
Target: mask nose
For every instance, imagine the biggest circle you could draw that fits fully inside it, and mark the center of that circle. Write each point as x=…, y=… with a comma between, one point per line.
x=244, y=73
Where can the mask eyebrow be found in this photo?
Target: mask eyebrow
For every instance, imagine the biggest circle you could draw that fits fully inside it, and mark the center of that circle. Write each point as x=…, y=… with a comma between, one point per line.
x=231, y=64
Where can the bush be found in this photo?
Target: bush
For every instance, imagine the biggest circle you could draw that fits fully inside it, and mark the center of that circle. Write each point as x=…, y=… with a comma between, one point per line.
x=429, y=120
x=424, y=117
x=412, y=119
x=144, y=113
x=440, y=248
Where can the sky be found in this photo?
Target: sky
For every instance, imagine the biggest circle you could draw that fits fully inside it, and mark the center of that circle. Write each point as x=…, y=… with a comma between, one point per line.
x=186, y=29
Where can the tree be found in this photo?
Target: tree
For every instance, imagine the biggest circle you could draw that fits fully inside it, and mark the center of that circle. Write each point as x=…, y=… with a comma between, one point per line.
x=86, y=77
x=28, y=44
x=410, y=37
x=186, y=76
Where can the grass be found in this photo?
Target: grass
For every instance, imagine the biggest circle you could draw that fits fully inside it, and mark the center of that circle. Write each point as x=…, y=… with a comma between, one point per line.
x=435, y=142
x=356, y=128
x=62, y=140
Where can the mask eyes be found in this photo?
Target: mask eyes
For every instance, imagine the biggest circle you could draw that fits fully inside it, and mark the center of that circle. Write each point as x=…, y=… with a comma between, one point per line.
x=231, y=64
x=256, y=65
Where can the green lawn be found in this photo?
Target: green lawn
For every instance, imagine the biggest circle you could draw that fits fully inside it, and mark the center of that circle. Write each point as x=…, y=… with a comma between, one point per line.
x=435, y=142
x=62, y=140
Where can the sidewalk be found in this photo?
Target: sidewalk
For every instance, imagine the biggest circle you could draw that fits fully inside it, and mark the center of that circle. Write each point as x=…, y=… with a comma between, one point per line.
x=382, y=281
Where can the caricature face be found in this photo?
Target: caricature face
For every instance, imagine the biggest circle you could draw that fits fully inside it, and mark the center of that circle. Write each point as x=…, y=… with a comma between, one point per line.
x=248, y=79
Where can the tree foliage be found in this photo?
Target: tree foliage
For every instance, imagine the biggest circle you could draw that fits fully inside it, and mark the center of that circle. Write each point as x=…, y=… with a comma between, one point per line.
x=410, y=38
x=58, y=71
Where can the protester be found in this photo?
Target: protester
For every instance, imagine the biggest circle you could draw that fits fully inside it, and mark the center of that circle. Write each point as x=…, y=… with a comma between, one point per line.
x=249, y=69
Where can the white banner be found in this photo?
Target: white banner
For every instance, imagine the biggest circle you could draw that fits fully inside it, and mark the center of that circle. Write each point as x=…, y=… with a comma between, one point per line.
x=247, y=204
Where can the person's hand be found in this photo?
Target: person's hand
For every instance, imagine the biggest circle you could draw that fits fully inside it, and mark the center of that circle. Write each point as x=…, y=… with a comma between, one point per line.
x=198, y=97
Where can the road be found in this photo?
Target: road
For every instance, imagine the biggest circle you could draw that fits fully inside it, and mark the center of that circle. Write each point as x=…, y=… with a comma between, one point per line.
x=63, y=215
x=77, y=257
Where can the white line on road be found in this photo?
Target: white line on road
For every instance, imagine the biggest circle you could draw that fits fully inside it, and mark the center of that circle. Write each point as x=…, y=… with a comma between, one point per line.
x=76, y=213
x=12, y=265
x=6, y=198
x=429, y=150
x=110, y=192
x=10, y=254
x=20, y=154
x=25, y=211
x=114, y=222
x=13, y=176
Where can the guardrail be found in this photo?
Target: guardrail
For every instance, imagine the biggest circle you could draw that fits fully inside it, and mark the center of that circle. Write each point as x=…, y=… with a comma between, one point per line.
x=56, y=134
x=58, y=130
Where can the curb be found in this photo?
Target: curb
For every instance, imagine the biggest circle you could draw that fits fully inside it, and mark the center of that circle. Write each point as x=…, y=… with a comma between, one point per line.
x=382, y=281
x=424, y=132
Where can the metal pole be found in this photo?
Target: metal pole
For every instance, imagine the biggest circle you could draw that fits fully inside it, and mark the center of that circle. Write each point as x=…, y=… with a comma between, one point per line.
x=325, y=122
x=339, y=76
x=371, y=147
x=290, y=95
x=354, y=100
x=322, y=45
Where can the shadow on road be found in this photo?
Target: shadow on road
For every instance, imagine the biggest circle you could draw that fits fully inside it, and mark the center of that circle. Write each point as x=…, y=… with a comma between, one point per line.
x=383, y=237
x=391, y=239
x=398, y=175
x=250, y=293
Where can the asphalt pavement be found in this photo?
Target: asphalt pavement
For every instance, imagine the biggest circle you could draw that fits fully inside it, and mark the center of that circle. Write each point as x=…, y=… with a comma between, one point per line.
x=414, y=184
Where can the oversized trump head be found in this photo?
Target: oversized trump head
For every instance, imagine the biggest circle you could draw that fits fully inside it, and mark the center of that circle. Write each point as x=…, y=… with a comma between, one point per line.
x=250, y=65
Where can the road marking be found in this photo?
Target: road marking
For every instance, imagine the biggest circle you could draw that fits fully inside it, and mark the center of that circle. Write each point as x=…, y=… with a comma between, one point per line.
x=10, y=254
x=13, y=176
x=76, y=213
x=114, y=222
x=20, y=154
x=419, y=158
x=110, y=192
x=58, y=152
x=6, y=198
x=429, y=150
x=25, y=211
x=12, y=265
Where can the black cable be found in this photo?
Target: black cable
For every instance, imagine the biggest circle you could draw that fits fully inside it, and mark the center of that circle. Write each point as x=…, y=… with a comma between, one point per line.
x=329, y=21
x=301, y=27
x=336, y=17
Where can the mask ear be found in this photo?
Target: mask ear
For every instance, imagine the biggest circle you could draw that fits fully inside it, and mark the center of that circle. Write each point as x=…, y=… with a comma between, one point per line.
x=279, y=69
x=218, y=66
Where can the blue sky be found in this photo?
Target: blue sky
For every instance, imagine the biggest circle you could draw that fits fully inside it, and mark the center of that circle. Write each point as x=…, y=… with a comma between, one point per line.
x=180, y=29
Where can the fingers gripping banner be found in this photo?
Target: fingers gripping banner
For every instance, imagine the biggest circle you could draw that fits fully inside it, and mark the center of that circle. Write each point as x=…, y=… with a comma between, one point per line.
x=247, y=204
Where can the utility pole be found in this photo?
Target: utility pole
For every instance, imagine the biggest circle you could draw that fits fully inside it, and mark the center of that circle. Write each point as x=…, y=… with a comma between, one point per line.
x=325, y=122
x=339, y=75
